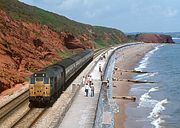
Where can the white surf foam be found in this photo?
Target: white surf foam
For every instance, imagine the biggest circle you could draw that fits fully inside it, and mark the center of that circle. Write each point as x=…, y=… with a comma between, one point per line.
x=143, y=63
x=155, y=115
x=158, y=108
x=145, y=99
x=153, y=89
x=157, y=122
x=145, y=76
x=141, y=76
x=153, y=74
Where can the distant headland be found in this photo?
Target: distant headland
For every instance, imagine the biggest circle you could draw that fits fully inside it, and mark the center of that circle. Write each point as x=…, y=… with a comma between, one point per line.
x=151, y=38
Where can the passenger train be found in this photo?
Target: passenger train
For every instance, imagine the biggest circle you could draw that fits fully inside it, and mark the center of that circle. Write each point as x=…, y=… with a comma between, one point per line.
x=47, y=84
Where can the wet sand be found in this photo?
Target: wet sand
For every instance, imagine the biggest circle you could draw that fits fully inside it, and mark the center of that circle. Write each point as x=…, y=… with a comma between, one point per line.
x=126, y=59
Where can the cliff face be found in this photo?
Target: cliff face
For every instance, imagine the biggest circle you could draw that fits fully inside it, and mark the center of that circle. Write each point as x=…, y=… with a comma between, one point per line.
x=28, y=43
x=26, y=47
x=154, y=38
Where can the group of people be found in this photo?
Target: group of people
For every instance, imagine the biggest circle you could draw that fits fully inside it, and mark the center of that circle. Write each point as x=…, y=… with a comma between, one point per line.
x=88, y=85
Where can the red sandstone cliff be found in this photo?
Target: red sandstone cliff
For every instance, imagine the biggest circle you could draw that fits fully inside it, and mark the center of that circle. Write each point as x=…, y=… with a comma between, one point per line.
x=25, y=47
x=154, y=38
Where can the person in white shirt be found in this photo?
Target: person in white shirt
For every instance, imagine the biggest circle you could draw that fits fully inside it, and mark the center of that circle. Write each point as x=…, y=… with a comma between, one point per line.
x=83, y=80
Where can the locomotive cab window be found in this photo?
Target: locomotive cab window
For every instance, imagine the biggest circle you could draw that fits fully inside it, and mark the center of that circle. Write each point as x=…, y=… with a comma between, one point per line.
x=39, y=79
x=46, y=80
x=32, y=80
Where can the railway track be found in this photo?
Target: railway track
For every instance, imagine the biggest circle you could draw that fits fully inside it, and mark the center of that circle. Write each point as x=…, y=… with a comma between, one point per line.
x=29, y=118
x=98, y=52
x=10, y=106
x=22, y=116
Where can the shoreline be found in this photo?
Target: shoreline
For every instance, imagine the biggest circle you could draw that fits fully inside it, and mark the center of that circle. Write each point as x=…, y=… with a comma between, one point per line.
x=126, y=59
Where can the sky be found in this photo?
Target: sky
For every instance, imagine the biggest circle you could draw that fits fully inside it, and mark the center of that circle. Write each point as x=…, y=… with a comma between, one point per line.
x=125, y=15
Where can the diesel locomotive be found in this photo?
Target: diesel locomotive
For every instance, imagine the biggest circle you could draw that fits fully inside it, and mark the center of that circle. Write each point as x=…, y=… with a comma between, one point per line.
x=47, y=84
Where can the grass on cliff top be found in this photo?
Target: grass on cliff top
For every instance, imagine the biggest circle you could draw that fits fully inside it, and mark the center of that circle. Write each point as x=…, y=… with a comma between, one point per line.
x=27, y=13
x=58, y=23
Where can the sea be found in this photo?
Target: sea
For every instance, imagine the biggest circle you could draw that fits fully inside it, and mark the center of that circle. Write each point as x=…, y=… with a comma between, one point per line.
x=158, y=102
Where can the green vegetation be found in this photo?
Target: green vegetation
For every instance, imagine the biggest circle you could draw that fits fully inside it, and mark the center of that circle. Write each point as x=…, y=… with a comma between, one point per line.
x=23, y=12
x=99, y=43
x=26, y=79
x=64, y=54
x=27, y=13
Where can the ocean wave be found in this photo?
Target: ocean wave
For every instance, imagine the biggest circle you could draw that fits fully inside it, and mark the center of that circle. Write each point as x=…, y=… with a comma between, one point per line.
x=155, y=115
x=153, y=74
x=145, y=99
x=158, y=108
x=157, y=122
x=153, y=89
x=141, y=76
x=145, y=75
x=143, y=63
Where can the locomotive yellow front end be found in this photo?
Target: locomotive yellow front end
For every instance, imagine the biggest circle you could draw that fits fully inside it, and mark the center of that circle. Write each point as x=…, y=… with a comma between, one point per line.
x=39, y=88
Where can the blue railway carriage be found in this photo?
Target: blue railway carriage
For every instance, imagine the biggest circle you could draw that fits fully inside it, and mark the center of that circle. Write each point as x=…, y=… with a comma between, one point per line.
x=47, y=84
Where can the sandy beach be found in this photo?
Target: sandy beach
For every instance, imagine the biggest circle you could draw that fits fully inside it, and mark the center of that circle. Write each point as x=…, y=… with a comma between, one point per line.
x=126, y=60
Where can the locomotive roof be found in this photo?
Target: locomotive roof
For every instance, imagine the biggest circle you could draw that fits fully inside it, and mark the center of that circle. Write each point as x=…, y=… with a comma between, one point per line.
x=51, y=70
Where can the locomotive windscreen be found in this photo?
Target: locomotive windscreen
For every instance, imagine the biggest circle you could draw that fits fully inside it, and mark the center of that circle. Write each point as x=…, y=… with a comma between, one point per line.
x=39, y=79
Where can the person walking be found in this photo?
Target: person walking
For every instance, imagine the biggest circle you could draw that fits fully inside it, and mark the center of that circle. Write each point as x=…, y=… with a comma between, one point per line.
x=92, y=89
x=86, y=89
x=90, y=79
x=100, y=68
x=83, y=80
x=101, y=76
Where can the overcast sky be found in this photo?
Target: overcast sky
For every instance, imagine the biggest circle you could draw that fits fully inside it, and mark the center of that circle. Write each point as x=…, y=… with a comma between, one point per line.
x=126, y=15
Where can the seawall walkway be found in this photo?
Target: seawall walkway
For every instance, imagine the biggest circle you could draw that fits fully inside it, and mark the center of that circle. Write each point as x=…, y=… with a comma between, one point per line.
x=82, y=112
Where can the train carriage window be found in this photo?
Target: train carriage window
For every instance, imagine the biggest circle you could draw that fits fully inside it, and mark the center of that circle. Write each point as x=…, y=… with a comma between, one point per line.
x=32, y=80
x=46, y=80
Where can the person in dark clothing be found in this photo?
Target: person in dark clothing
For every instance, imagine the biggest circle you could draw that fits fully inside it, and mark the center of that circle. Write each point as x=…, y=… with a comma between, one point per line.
x=92, y=89
x=86, y=89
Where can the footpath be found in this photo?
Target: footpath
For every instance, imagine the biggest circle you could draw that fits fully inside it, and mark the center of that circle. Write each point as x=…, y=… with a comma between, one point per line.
x=82, y=112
